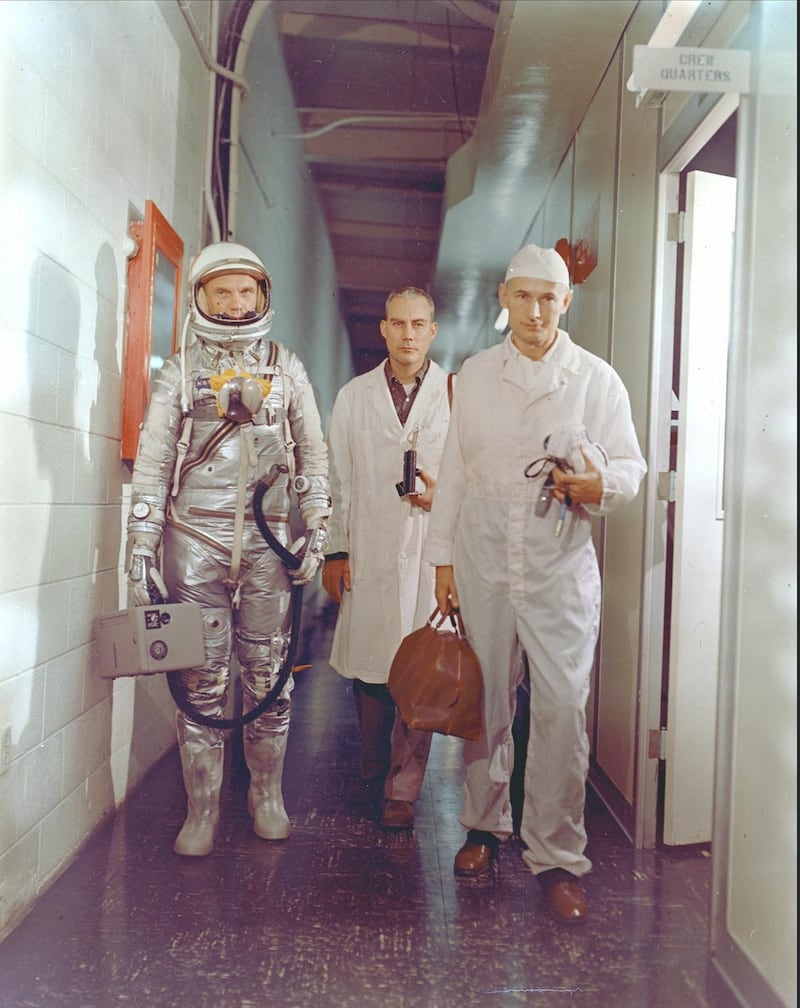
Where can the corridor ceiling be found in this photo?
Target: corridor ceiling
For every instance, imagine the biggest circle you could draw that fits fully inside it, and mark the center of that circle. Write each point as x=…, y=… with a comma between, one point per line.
x=432, y=129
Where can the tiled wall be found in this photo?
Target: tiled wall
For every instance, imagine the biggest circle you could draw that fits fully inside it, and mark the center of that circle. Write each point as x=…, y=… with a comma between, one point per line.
x=101, y=109
x=104, y=105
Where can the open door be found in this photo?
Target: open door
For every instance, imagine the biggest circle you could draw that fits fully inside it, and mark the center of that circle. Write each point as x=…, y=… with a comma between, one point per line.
x=697, y=519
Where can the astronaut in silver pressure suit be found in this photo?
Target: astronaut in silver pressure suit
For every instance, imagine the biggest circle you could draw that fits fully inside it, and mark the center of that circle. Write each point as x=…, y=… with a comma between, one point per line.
x=224, y=410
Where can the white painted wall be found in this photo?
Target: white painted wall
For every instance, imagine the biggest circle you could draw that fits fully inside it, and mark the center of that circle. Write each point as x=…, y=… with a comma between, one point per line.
x=100, y=111
x=755, y=838
x=104, y=105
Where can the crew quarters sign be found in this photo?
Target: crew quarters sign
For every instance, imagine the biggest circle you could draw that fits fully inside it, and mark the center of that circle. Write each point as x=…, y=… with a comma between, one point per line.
x=688, y=69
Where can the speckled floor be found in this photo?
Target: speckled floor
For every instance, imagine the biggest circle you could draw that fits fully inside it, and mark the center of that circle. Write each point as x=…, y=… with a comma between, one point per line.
x=344, y=915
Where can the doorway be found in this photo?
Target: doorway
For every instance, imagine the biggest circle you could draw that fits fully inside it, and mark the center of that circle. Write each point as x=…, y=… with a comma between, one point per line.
x=703, y=222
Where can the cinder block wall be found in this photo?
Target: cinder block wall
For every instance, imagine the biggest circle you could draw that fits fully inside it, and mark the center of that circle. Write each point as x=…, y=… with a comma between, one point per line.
x=103, y=107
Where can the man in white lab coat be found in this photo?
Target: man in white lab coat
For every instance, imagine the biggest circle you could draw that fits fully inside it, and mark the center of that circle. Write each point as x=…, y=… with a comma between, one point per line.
x=541, y=438
x=374, y=565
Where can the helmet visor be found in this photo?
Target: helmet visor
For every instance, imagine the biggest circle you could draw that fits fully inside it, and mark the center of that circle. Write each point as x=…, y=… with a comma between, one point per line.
x=232, y=297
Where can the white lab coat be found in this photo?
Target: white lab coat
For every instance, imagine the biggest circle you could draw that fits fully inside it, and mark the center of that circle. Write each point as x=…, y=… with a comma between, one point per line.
x=520, y=586
x=392, y=589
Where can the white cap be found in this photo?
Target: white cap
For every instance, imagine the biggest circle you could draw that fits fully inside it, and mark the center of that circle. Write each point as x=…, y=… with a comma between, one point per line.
x=538, y=264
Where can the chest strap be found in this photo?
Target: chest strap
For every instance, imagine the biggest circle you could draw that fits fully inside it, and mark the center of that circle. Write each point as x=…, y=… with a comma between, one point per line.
x=207, y=449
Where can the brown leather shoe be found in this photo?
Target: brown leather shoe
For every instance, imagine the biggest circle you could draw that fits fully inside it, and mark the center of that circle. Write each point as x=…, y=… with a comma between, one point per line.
x=478, y=854
x=397, y=815
x=565, y=898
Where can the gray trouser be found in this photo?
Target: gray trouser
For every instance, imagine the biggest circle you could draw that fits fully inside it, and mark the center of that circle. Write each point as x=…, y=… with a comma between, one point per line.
x=410, y=749
x=388, y=746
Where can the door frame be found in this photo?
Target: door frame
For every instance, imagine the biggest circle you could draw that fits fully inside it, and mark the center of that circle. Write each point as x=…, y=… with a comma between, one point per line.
x=697, y=516
x=654, y=630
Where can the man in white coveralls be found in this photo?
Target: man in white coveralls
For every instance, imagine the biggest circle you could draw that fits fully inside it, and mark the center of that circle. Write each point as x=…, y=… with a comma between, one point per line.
x=541, y=437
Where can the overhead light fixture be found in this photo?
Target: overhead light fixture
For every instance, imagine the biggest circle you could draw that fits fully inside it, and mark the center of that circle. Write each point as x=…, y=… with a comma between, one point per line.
x=674, y=22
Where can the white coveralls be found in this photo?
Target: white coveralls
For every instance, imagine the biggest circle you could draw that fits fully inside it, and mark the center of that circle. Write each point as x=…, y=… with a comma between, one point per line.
x=383, y=534
x=521, y=587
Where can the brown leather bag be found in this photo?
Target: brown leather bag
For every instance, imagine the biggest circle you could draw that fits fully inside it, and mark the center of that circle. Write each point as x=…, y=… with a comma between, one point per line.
x=436, y=680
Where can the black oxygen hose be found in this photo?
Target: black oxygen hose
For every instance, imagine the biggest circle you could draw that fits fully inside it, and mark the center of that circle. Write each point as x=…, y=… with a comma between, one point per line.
x=290, y=560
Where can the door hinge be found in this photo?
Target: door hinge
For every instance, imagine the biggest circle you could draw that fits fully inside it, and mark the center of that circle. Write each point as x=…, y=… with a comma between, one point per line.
x=676, y=223
x=657, y=744
x=666, y=486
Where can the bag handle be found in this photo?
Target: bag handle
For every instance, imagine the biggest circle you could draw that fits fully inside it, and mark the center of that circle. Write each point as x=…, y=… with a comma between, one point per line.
x=455, y=619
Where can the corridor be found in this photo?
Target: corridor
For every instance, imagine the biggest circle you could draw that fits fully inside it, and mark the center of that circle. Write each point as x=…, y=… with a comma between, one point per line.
x=344, y=915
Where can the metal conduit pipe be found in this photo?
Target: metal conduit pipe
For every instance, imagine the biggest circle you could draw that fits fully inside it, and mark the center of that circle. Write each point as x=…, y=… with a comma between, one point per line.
x=219, y=71
x=254, y=16
x=212, y=65
x=208, y=180
x=356, y=120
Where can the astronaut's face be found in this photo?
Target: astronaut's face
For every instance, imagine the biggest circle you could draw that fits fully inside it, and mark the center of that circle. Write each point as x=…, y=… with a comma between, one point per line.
x=231, y=295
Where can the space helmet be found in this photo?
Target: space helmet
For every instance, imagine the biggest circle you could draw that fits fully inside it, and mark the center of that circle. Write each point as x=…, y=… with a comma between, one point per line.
x=217, y=259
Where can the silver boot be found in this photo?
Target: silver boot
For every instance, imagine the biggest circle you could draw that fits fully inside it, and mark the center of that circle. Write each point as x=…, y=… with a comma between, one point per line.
x=265, y=799
x=202, y=758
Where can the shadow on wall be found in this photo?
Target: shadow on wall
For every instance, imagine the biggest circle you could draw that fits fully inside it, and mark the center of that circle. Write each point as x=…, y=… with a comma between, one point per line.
x=81, y=541
x=50, y=810
x=105, y=734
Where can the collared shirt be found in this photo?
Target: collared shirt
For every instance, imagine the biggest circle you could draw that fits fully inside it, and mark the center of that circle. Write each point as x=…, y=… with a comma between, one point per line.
x=403, y=400
x=529, y=368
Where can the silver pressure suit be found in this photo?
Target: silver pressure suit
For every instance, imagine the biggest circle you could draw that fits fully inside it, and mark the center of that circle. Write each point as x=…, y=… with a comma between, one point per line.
x=193, y=481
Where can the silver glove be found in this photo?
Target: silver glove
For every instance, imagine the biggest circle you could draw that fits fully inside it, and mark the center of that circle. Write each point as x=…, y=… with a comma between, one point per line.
x=311, y=547
x=145, y=584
